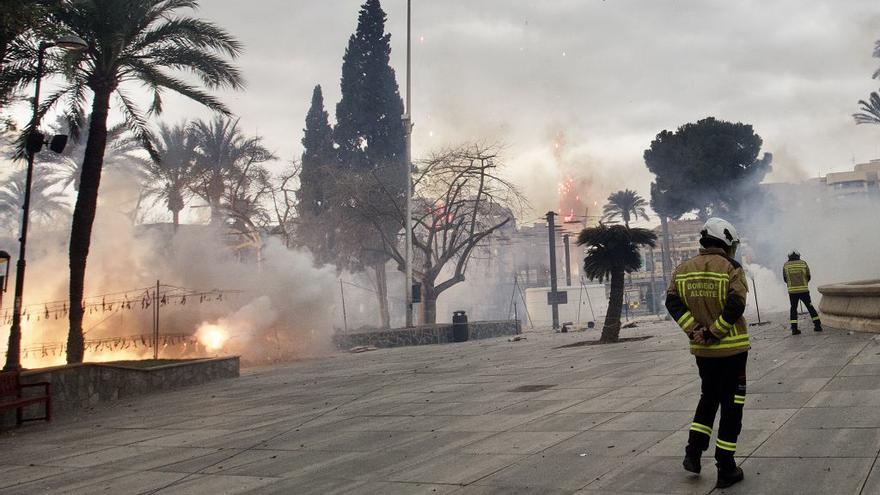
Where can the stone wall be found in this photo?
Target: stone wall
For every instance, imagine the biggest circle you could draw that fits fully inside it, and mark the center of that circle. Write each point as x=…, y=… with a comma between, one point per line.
x=82, y=386
x=852, y=305
x=425, y=334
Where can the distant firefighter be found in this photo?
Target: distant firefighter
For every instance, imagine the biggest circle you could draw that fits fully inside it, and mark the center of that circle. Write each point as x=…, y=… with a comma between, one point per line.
x=796, y=274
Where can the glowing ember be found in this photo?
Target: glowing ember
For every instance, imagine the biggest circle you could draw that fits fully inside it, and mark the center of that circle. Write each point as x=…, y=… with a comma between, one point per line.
x=213, y=337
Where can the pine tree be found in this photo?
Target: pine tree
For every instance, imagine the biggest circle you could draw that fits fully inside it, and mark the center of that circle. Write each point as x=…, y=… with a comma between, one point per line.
x=315, y=194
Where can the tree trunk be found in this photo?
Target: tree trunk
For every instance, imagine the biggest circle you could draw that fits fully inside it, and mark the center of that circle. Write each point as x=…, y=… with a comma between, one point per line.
x=382, y=294
x=429, y=304
x=175, y=219
x=84, y=219
x=611, y=329
x=665, y=255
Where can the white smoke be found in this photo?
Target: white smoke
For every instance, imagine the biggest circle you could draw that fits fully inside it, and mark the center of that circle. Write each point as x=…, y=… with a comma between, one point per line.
x=279, y=307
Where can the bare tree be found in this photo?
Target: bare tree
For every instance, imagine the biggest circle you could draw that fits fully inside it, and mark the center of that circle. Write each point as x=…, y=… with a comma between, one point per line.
x=460, y=200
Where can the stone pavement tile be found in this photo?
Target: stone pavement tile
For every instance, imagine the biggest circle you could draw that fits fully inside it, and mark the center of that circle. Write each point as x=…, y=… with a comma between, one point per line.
x=95, y=459
x=780, y=475
x=280, y=464
x=774, y=385
x=786, y=372
x=645, y=421
x=39, y=453
x=836, y=417
x=486, y=422
x=566, y=422
x=89, y=480
x=861, y=370
x=845, y=398
x=227, y=485
x=518, y=442
x=467, y=408
x=609, y=443
x=872, y=484
x=454, y=468
x=164, y=456
x=601, y=404
x=673, y=445
x=649, y=391
x=676, y=401
x=552, y=471
x=796, y=442
x=573, y=393
x=509, y=490
x=363, y=441
x=765, y=419
x=334, y=486
x=782, y=400
x=190, y=438
x=853, y=383
x=536, y=408
x=11, y=476
x=646, y=474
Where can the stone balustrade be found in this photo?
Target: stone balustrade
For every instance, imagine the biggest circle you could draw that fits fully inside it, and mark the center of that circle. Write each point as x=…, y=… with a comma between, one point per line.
x=851, y=305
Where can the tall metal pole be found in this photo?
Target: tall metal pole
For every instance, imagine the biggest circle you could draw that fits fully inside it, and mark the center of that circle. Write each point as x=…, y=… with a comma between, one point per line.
x=551, y=227
x=653, y=289
x=156, y=323
x=13, y=349
x=567, y=261
x=407, y=122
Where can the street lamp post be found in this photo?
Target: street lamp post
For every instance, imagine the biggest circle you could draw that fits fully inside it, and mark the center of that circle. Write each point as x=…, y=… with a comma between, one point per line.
x=407, y=121
x=35, y=141
x=4, y=274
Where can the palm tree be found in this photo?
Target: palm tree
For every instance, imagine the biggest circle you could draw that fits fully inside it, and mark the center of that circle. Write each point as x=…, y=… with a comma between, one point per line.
x=121, y=154
x=47, y=197
x=222, y=153
x=144, y=42
x=612, y=251
x=870, y=113
x=627, y=205
x=170, y=178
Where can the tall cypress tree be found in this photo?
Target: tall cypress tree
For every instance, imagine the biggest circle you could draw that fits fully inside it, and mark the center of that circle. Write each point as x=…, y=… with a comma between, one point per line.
x=369, y=129
x=372, y=141
x=315, y=195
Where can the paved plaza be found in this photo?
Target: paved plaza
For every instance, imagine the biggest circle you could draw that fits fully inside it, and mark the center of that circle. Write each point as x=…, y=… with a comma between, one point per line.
x=484, y=417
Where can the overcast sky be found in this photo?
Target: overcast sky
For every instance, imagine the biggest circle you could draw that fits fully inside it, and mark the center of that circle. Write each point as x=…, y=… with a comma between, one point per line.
x=578, y=87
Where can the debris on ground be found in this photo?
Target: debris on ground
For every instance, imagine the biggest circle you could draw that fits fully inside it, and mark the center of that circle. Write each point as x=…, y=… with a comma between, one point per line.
x=516, y=338
x=362, y=348
x=631, y=324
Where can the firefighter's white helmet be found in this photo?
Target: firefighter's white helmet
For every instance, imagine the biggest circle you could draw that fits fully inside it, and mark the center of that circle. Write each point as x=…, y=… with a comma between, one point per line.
x=722, y=230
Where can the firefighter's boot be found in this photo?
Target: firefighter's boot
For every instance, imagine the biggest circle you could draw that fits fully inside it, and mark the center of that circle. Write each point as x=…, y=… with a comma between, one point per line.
x=729, y=473
x=691, y=463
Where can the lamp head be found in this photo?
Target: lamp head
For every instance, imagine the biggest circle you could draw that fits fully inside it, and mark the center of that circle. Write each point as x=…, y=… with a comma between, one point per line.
x=71, y=43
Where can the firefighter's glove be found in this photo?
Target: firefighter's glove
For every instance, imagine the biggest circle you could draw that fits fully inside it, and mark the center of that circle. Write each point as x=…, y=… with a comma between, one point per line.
x=704, y=336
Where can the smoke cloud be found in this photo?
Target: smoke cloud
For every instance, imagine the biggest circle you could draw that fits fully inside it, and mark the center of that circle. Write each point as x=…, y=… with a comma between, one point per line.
x=276, y=306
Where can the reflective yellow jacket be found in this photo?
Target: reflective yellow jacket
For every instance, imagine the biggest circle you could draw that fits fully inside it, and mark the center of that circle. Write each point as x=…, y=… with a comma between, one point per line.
x=796, y=274
x=709, y=291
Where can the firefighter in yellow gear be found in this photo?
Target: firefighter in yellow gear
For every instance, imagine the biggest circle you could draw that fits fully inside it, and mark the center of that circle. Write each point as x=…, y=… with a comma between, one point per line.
x=796, y=273
x=707, y=297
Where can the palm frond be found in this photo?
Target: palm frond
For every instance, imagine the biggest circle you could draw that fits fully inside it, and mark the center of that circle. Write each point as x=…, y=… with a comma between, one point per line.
x=870, y=113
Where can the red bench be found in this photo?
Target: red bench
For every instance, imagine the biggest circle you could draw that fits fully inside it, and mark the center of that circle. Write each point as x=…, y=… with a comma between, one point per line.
x=11, y=396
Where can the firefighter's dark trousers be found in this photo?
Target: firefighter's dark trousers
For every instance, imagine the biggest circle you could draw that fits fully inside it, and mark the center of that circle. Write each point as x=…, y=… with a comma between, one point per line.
x=794, y=299
x=723, y=384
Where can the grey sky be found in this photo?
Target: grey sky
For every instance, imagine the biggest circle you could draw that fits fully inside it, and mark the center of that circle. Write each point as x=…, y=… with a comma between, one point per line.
x=598, y=78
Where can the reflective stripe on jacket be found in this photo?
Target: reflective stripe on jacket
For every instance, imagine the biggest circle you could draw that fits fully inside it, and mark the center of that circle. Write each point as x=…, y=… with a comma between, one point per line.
x=709, y=290
x=796, y=274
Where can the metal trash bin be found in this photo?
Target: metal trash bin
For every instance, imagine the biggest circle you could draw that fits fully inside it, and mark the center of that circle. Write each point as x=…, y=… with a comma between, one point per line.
x=459, y=326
